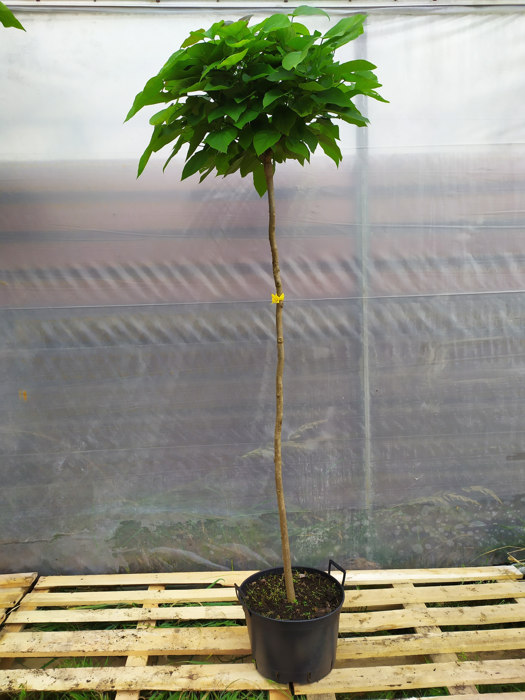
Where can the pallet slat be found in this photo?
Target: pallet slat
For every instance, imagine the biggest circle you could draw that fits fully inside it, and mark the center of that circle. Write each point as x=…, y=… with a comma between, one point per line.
x=206, y=677
x=10, y=596
x=199, y=612
x=203, y=595
x=403, y=619
x=138, y=660
x=17, y=580
x=406, y=677
x=349, y=622
x=353, y=598
x=134, y=642
x=235, y=641
x=245, y=677
x=228, y=578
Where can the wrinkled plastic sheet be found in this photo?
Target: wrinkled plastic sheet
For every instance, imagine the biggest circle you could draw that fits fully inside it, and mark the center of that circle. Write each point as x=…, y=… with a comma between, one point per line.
x=137, y=348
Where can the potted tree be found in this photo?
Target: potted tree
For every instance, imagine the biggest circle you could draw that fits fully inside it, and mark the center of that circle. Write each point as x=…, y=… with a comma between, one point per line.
x=244, y=98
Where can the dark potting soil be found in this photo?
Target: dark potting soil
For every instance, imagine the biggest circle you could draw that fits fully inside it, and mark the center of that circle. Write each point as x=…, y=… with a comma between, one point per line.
x=316, y=596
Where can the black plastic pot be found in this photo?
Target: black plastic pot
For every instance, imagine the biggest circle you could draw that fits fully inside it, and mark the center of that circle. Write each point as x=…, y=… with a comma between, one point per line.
x=293, y=651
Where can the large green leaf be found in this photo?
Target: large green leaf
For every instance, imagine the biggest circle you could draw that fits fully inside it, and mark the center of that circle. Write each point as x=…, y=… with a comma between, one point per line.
x=196, y=162
x=333, y=96
x=151, y=94
x=217, y=113
x=162, y=135
x=303, y=106
x=164, y=115
x=334, y=44
x=308, y=10
x=292, y=59
x=257, y=70
x=259, y=180
x=220, y=140
x=176, y=148
x=170, y=64
x=264, y=140
x=283, y=119
x=8, y=19
x=249, y=163
x=234, y=109
x=270, y=97
x=312, y=86
x=213, y=30
x=298, y=147
x=193, y=38
x=278, y=21
x=330, y=147
x=280, y=74
x=304, y=133
x=248, y=116
x=301, y=30
x=348, y=68
x=246, y=138
x=344, y=26
x=233, y=59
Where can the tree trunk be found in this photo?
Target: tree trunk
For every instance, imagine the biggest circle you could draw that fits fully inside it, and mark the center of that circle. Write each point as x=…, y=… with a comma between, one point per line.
x=287, y=561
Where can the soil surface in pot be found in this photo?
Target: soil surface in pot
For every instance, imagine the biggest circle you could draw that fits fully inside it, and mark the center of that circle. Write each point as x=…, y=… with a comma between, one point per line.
x=317, y=596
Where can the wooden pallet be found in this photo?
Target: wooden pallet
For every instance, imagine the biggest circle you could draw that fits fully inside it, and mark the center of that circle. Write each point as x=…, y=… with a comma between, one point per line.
x=393, y=601
x=12, y=589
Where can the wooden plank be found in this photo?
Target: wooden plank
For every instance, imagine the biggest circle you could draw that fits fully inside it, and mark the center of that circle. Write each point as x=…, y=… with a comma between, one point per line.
x=200, y=595
x=445, y=575
x=184, y=677
x=279, y=695
x=434, y=594
x=245, y=677
x=138, y=660
x=353, y=598
x=430, y=643
x=183, y=578
x=17, y=580
x=407, y=677
x=403, y=619
x=134, y=642
x=381, y=576
x=235, y=641
x=10, y=596
x=199, y=612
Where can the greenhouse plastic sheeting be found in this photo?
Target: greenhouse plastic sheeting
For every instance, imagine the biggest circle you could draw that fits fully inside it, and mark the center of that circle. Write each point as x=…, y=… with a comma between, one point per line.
x=137, y=348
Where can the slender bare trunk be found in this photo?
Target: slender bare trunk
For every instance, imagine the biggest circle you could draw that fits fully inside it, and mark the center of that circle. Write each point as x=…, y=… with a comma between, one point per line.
x=287, y=561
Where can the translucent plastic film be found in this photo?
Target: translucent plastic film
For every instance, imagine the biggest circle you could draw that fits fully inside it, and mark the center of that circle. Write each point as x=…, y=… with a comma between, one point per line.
x=137, y=338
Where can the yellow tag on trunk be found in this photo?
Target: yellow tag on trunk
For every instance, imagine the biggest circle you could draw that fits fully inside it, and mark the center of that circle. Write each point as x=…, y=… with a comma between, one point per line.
x=276, y=299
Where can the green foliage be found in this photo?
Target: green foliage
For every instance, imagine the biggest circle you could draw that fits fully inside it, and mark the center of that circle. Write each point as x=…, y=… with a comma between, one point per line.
x=8, y=19
x=237, y=92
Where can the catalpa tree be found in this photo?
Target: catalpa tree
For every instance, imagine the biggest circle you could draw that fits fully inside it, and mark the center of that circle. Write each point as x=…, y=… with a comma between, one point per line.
x=243, y=98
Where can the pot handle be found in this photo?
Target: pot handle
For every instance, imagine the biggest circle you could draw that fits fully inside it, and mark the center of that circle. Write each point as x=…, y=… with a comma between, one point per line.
x=241, y=598
x=332, y=563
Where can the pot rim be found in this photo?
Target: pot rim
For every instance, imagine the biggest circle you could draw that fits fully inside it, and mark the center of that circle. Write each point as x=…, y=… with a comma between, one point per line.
x=280, y=569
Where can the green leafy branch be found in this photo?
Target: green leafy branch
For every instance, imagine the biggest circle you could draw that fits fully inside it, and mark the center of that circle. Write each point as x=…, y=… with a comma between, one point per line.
x=237, y=91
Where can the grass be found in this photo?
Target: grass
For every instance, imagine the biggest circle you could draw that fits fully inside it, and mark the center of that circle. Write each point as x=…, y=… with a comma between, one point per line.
x=144, y=695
